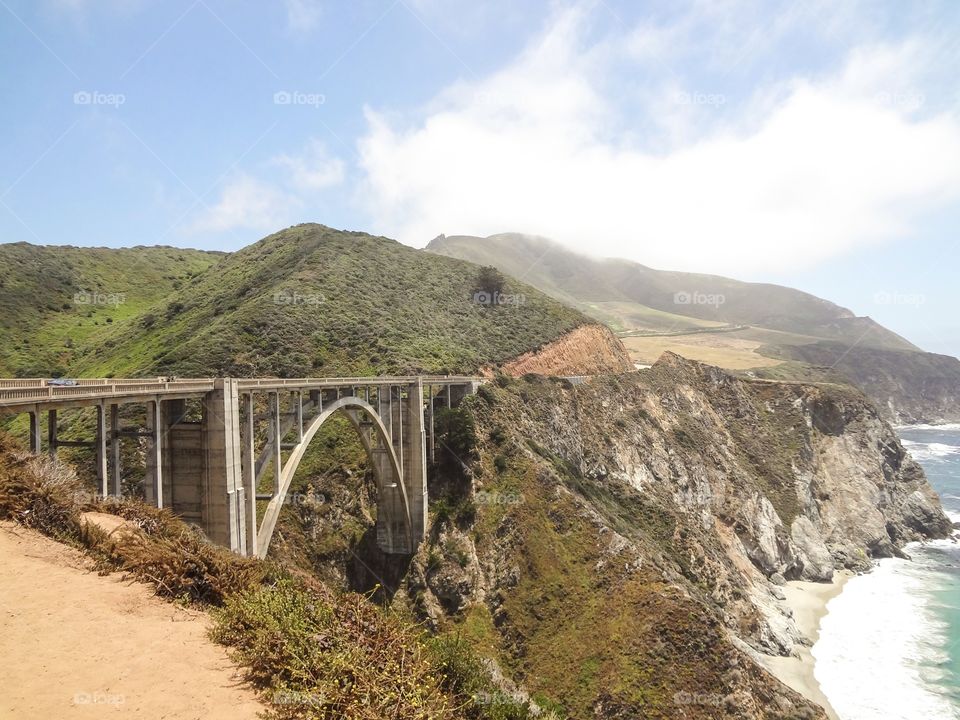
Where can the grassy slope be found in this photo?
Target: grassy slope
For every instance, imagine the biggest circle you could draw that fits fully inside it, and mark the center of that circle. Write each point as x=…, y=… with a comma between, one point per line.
x=589, y=283
x=365, y=304
x=605, y=634
x=43, y=329
x=313, y=654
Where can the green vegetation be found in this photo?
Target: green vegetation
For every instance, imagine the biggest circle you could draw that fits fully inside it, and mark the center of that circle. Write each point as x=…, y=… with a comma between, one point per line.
x=621, y=292
x=314, y=654
x=819, y=339
x=311, y=300
x=58, y=303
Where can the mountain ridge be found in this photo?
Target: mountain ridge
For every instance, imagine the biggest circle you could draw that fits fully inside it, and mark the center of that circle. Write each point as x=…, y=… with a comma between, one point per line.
x=761, y=328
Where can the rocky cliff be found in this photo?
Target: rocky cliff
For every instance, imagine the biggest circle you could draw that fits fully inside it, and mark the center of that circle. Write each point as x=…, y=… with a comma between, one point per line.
x=617, y=544
x=908, y=387
x=586, y=350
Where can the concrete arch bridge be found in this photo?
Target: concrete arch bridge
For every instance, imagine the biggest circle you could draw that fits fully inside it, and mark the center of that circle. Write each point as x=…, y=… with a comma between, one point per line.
x=213, y=443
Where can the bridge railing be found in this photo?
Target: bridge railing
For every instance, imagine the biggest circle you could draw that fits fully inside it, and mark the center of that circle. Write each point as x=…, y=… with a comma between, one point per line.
x=18, y=391
x=273, y=383
x=85, y=382
x=106, y=388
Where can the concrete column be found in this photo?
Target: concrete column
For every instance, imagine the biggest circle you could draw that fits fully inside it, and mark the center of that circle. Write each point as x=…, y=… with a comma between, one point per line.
x=153, y=480
x=102, y=475
x=35, y=431
x=222, y=472
x=415, y=461
x=396, y=421
x=115, y=447
x=431, y=425
x=249, y=488
x=276, y=437
x=391, y=524
x=298, y=409
x=52, y=433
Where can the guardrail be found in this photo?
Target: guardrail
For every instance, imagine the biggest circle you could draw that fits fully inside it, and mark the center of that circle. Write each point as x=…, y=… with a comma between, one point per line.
x=273, y=383
x=17, y=391
x=108, y=388
x=44, y=382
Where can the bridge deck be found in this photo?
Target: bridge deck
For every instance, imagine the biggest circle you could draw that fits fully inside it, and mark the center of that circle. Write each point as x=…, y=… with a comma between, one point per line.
x=18, y=394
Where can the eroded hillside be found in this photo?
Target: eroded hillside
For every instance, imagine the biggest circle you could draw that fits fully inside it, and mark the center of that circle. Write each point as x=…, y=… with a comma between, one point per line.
x=615, y=542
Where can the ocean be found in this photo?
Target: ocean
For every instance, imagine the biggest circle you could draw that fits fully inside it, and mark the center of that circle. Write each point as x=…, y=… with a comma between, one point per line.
x=889, y=646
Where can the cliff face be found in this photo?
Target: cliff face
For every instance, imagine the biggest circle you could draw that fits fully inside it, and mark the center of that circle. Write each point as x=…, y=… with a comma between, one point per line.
x=617, y=544
x=587, y=350
x=908, y=387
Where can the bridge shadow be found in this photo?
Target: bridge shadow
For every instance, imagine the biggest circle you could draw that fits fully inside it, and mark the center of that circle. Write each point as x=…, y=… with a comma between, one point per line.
x=371, y=571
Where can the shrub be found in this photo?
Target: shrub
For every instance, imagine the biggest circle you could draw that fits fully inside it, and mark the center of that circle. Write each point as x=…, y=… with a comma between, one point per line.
x=467, y=676
x=326, y=657
x=41, y=494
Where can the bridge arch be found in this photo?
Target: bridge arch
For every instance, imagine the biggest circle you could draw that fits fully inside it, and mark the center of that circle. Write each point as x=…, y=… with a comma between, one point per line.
x=355, y=409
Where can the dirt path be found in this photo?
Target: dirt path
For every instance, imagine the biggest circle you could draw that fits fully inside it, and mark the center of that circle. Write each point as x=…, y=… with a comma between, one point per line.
x=77, y=645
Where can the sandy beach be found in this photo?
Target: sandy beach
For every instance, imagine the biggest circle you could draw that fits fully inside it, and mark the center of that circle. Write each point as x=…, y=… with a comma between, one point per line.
x=808, y=601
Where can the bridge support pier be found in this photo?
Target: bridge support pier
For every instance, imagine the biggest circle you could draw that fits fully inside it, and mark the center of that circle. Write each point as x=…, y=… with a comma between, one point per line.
x=224, y=515
x=415, y=461
x=115, y=447
x=52, y=433
x=35, y=431
x=102, y=475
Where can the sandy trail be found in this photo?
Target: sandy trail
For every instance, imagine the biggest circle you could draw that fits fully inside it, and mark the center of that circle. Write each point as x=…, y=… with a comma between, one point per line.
x=77, y=645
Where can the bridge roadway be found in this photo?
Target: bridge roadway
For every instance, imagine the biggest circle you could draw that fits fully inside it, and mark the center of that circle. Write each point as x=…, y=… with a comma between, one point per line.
x=222, y=452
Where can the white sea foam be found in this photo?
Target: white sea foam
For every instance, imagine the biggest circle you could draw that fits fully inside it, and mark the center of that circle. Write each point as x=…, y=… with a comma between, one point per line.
x=881, y=645
x=929, y=451
x=945, y=427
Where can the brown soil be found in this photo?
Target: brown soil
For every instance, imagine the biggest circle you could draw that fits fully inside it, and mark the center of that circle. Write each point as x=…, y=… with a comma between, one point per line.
x=78, y=645
x=588, y=350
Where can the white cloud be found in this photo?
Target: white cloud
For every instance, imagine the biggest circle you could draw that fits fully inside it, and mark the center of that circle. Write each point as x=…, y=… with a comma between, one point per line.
x=271, y=200
x=313, y=169
x=246, y=202
x=303, y=15
x=804, y=169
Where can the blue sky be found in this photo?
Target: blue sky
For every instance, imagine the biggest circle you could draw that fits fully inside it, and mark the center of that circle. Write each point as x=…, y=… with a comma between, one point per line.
x=812, y=143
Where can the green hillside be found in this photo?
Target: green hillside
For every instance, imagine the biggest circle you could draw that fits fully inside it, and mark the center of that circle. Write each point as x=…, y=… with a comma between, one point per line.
x=57, y=303
x=767, y=330
x=311, y=300
x=625, y=294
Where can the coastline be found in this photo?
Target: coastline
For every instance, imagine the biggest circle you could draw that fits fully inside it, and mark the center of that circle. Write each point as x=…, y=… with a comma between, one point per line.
x=808, y=603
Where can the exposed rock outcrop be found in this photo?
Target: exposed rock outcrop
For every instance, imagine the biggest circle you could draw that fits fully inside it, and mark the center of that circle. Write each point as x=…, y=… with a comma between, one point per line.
x=908, y=387
x=587, y=350
x=655, y=515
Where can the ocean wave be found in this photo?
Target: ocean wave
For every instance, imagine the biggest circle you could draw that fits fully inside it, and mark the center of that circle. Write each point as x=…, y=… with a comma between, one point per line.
x=929, y=451
x=882, y=648
x=946, y=427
